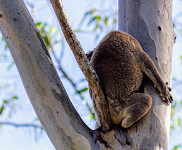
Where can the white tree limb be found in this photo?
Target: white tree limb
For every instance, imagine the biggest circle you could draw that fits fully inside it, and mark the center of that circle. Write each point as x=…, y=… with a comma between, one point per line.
x=61, y=122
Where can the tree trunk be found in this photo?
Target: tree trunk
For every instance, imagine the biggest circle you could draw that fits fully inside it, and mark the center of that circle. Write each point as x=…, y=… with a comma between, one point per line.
x=150, y=22
x=61, y=122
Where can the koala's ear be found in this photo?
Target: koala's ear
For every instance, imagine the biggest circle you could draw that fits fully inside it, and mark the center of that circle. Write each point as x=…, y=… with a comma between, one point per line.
x=89, y=55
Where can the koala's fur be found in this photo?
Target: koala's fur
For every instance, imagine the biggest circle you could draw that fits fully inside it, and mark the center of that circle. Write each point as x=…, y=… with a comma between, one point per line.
x=120, y=64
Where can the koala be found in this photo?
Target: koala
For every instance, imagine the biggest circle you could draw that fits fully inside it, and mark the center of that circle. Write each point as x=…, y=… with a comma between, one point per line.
x=121, y=65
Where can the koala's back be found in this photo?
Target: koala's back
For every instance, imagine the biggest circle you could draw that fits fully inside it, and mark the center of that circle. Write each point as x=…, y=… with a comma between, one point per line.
x=115, y=63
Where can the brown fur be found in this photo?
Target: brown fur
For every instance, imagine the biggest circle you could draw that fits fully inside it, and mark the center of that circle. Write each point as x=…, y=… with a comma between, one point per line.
x=120, y=63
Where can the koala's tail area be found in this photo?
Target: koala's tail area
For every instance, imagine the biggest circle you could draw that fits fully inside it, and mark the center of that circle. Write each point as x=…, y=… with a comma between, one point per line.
x=89, y=55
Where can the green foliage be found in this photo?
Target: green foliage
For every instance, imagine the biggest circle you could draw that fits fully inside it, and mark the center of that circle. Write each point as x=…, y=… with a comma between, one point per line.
x=100, y=21
x=49, y=34
x=4, y=53
x=177, y=147
x=11, y=65
x=83, y=90
x=176, y=121
x=7, y=100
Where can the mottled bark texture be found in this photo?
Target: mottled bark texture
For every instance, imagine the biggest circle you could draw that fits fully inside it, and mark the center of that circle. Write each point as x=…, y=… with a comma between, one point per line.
x=92, y=78
x=150, y=22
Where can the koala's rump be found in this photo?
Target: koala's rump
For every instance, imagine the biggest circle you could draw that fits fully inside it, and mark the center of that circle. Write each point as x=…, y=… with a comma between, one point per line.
x=119, y=78
x=117, y=67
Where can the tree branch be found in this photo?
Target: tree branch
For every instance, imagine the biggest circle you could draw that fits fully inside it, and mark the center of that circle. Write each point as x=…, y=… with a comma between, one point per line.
x=91, y=76
x=57, y=115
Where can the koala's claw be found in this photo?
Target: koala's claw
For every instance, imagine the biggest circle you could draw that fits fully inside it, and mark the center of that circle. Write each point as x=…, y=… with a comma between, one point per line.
x=169, y=89
x=168, y=99
x=171, y=99
x=165, y=94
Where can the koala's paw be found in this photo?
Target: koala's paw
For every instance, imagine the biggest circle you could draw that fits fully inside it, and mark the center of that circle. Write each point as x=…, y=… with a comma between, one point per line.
x=166, y=96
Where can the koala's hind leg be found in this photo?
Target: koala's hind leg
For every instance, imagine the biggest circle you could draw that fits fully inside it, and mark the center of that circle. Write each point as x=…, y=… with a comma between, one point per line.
x=137, y=106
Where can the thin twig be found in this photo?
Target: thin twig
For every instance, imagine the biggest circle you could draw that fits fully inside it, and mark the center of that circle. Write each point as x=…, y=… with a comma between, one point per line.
x=21, y=124
x=92, y=78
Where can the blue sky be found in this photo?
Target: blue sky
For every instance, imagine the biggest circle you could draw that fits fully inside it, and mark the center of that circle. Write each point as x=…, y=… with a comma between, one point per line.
x=24, y=139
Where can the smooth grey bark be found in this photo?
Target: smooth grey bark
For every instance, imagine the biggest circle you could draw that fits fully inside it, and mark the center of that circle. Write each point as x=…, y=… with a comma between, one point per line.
x=61, y=122
x=150, y=22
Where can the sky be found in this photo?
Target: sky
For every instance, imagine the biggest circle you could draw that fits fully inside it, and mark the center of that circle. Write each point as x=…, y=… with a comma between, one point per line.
x=12, y=138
